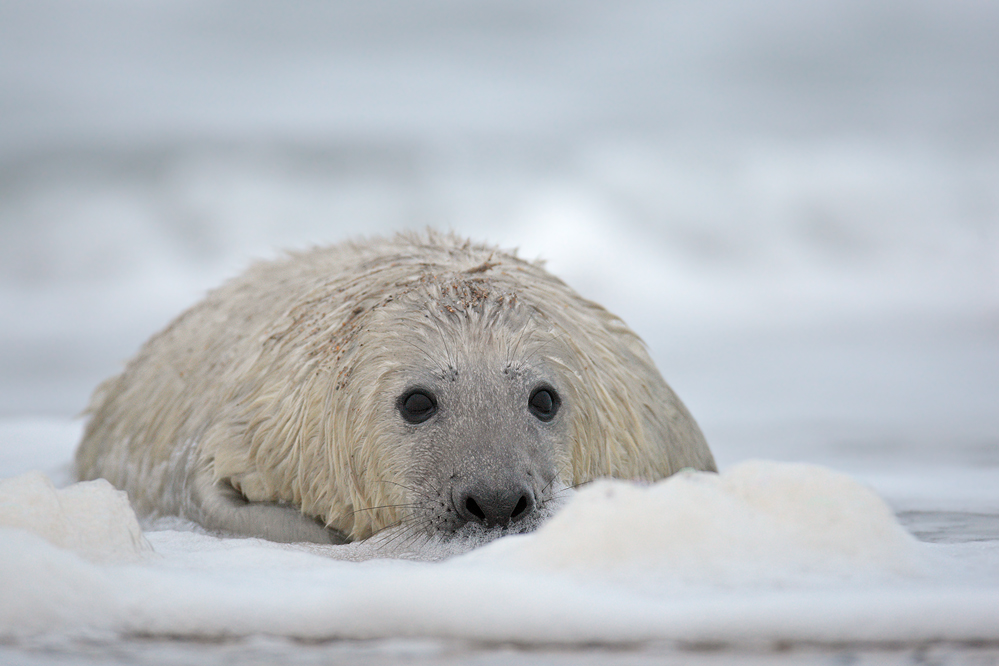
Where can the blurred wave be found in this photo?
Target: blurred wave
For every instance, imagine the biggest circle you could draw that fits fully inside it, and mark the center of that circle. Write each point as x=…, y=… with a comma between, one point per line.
x=440, y=70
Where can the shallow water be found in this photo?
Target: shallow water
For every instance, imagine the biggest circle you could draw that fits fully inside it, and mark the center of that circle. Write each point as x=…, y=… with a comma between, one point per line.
x=951, y=526
x=379, y=653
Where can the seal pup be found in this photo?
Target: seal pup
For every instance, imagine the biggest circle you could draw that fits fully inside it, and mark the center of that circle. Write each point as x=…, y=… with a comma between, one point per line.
x=421, y=380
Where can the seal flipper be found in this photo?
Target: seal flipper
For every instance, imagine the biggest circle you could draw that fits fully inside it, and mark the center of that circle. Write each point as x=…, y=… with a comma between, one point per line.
x=223, y=508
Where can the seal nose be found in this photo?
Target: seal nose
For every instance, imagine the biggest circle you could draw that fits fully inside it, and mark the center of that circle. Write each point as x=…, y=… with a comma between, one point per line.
x=483, y=503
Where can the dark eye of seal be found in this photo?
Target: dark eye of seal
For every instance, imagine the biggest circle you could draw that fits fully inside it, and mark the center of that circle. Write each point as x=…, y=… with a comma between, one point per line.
x=544, y=403
x=417, y=406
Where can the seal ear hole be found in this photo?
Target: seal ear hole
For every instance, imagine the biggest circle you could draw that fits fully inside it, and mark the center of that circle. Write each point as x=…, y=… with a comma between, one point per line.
x=544, y=403
x=417, y=405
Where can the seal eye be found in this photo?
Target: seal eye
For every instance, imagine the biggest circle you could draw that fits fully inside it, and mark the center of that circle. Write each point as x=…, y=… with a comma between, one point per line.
x=544, y=403
x=417, y=406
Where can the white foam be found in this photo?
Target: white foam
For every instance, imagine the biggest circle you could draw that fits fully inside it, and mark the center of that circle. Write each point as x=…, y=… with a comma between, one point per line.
x=762, y=552
x=758, y=524
x=47, y=590
x=91, y=518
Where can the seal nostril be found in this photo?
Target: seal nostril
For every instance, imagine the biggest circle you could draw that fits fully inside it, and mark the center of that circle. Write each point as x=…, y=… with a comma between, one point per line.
x=473, y=508
x=490, y=505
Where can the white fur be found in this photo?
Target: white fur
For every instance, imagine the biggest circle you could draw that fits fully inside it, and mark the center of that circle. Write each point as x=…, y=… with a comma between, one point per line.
x=277, y=380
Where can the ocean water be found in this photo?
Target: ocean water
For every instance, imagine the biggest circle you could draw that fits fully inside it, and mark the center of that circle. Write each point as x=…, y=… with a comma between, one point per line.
x=796, y=207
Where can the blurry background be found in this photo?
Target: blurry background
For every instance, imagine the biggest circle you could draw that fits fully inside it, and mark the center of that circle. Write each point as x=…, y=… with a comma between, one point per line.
x=795, y=204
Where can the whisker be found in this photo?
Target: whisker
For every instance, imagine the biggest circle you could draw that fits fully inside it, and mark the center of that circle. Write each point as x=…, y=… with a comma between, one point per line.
x=413, y=537
x=430, y=357
x=514, y=349
x=387, y=527
x=555, y=478
x=542, y=347
x=402, y=536
x=385, y=506
x=447, y=350
x=425, y=494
